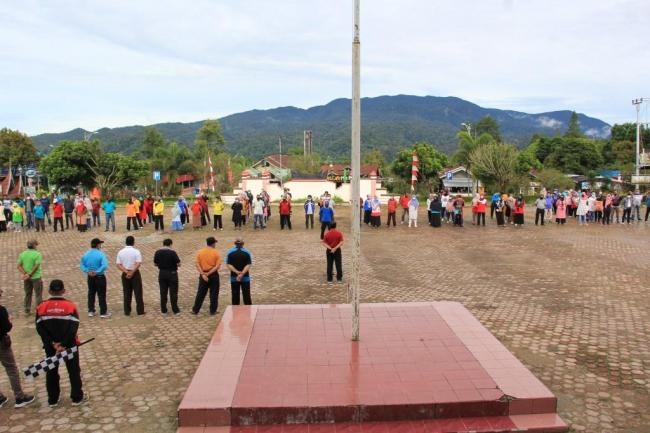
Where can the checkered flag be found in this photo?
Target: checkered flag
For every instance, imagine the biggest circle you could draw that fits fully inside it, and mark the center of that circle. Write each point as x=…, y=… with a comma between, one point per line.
x=52, y=362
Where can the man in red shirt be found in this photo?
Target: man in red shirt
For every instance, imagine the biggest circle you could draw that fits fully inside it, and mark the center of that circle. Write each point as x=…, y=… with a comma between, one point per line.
x=285, y=213
x=392, y=209
x=332, y=242
x=57, y=212
x=404, y=201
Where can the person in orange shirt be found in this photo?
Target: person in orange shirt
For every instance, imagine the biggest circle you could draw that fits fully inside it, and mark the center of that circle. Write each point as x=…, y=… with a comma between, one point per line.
x=404, y=202
x=131, y=215
x=392, y=210
x=208, y=261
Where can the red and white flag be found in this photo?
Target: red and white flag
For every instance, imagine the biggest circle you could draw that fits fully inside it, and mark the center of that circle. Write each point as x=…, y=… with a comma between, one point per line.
x=414, y=171
x=211, y=172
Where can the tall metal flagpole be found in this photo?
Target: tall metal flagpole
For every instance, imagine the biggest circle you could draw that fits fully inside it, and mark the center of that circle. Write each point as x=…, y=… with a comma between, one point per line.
x=637, y=103
x=355, y=225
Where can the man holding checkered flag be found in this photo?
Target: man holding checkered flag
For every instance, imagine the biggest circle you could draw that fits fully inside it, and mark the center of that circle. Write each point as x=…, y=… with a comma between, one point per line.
x=57, y=322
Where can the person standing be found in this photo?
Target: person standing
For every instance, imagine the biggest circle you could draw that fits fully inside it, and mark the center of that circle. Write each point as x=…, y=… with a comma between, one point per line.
x=404, y=202
x=208, y=262
x=258, y=213
x=57, y=213
x=392, y=209
x=30, y=266
x=129, y=261
x=94, y=264
x=285, y=213
x=131, y=215
x=96, y=206
x=239, y=260
x=332, y=242
x=45, y=202
x=519, y=211
x=167, y=262
x=38, y=213
x=326, y=217
x=540, y=209
x=375, y=213
x=9, y=362
x=412, y=213
x=481, y=209
x=493, y=203
x=57, y=322
x=68, y=207
x=109, y=212
x=367, y=210
x=310, y=210
x=177, y=224
x=237, y=213
x=217, y=210
x=159, y=214
x=499, y=207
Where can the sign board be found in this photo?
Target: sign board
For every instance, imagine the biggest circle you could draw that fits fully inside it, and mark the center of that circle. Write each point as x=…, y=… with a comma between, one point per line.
x=450, y=175
x=30, y=190
x=30, y=173
x=641, y=179
x=156, y=176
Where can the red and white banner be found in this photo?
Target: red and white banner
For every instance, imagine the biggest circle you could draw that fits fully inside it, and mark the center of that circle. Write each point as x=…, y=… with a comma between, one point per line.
x=414, y=171
x=211, y=172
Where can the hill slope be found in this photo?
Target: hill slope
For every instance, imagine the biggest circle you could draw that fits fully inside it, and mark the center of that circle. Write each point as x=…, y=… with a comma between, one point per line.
x=389, y=123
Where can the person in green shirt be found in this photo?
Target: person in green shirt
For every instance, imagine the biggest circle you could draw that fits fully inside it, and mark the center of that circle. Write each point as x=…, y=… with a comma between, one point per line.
x=29, y=265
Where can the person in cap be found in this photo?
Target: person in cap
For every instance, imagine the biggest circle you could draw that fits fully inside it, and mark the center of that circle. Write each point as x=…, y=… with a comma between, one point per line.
x=128, y=261
x=167, y=262
x=208, y=262
x=94, y=264
x=8, y=360
x=239, y=261
x=57, y=322
x=30, y=266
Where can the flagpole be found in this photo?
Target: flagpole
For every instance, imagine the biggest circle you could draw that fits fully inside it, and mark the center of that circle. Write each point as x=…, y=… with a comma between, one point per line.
x=355, y=181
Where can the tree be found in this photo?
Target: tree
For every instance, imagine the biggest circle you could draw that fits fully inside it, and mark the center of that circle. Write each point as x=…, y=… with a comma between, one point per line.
x=552, y=179
x=68, y=164
x=545, y=146
x=574, y=155
x=374, y=157
x=431, y=162
x=152, y=141
x=114, y=170
x=467, y=143
x=495, y=164
x=172, y=160
x=16, y=148
x=209, y=138
x=488, y=125
x=573, y=131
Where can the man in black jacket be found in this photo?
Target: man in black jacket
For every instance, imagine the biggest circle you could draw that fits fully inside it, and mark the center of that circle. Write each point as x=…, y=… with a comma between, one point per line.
x=9, y=362
x=57, y=322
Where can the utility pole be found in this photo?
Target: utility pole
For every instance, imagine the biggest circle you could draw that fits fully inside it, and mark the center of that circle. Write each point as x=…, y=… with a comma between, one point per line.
x=637, y=103
x=355, y=181
x=280, y=144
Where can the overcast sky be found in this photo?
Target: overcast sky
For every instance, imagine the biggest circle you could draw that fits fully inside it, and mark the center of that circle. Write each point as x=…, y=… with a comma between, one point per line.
x=92, y=64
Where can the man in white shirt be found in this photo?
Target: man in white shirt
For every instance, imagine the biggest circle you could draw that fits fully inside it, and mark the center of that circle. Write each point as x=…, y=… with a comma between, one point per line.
x=128, y=261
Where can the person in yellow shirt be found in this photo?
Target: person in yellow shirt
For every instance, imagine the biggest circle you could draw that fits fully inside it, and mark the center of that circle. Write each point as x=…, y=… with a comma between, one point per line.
x=208, y=261
x=217, y=210
x=158, y=214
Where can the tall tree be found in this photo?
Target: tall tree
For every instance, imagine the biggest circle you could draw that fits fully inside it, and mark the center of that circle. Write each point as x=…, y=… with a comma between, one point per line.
x=151, y=141
x=67, y=165
x=574, y=155
x=432, y=161
x=573, y=129
x=209, y=138
x=495, y=164
x=467, y=143
x=489, y=125
x=374, y=157
x=16, y=148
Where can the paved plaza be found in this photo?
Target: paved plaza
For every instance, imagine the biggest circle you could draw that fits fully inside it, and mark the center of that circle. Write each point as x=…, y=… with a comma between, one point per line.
x=570, y=302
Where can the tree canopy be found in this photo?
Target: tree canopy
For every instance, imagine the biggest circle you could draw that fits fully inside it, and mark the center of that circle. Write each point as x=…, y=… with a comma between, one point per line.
x=16, y=148
x=431, y=162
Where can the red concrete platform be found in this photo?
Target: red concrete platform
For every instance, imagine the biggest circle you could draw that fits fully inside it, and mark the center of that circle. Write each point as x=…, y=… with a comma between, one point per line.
x=420, y=367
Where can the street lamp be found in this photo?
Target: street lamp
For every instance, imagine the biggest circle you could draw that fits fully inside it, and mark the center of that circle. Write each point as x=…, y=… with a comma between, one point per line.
x=468, y=127
x=637, y=103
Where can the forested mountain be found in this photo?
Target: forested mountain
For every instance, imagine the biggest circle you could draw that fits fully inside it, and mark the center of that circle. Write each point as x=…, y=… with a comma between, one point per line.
x=389, y=123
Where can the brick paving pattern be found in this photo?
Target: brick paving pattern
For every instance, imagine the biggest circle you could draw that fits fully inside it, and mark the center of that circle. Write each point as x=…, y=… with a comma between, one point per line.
x=570, y=302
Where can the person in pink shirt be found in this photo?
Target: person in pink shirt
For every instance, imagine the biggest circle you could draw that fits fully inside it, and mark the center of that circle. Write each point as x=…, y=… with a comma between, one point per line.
x=560, y=210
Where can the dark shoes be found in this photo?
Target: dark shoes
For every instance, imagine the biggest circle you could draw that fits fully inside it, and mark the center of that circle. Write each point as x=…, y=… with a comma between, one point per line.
x=26, y=400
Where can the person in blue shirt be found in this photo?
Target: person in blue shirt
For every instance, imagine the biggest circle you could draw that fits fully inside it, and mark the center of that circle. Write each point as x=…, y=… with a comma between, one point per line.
x=493, y=203
x=94, y=263
x=39, y=216
x=310, y=210
x=109, y=212
x=239, y=261
x=326, y=217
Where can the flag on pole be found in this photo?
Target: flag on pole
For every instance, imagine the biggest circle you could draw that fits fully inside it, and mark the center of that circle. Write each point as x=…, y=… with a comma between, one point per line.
x=52, y=362
x=230, y=177
x=211, y=172
x=414, y=171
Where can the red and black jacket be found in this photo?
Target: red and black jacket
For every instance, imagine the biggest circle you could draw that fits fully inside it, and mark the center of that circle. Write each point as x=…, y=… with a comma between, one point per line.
x=57, y=321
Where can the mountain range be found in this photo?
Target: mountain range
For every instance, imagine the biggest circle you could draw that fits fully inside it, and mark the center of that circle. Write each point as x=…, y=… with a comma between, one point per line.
x=388, y=123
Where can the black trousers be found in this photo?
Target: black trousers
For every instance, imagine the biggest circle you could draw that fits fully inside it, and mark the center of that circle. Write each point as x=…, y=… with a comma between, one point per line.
x=97, y=287
x=133, y=220
x=627, y=213
x=132, y=287
x=212, y=285
x=309, y=218
x=218, y=223
x=285, y=220
x=539, y=215
x=480, y=216
x=391, y=217
x=159, y=222
x=245, y=288
x=334, y=258
x=168, y=282
x=323, y=226
x=52, y=378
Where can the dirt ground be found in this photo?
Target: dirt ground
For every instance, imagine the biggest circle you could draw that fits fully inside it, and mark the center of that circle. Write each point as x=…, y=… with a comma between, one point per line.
x=570, y=302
